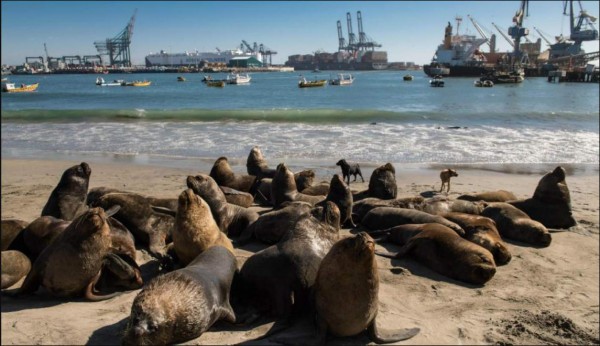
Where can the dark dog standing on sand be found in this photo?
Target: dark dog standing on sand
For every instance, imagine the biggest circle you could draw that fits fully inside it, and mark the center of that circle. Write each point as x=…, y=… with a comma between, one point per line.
x=350, y=169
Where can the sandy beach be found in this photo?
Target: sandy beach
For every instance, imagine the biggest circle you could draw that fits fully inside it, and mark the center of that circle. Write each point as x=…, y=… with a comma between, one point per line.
x=543, y=296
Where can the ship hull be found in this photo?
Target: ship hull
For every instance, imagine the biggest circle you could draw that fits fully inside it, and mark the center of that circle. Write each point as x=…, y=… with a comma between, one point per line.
x=339, y=66
x=460, y=71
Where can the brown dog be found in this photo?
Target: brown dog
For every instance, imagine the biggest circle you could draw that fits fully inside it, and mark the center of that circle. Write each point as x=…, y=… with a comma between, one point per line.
x=445, y=175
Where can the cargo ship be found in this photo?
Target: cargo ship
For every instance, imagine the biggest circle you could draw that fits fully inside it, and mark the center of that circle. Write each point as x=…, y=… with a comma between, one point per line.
x=197, y=58
x=458, y=56
x=361, y=60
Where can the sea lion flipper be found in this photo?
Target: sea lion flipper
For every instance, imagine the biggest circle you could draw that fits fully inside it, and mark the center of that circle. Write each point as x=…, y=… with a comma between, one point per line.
x=384, y=337
x=32, y=282
x=90, y=295
x=227, y=312
x=164, y=210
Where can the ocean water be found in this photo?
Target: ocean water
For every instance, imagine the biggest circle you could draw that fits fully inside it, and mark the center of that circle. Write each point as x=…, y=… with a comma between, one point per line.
x=378, y=119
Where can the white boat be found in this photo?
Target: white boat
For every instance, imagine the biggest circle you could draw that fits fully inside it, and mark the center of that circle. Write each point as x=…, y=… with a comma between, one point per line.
x=342, y=79
x=236, y=78
x=436, y=81
x=100, y=82
x=196, y=58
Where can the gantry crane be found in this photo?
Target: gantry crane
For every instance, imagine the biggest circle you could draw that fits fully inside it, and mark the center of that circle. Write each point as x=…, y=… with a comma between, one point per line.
x=517, y=31
x=490, y=41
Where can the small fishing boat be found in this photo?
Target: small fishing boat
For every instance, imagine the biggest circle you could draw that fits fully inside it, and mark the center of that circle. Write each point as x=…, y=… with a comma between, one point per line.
x=436, y=81
x=100, y=82
x=303, y=83
x=181, y=79
x=236, y=78
x=215, y=83
x=342, y=79
x=11, y=88
x=408, y=77
x=137, y=83
x=486, y=83
x=207, y=78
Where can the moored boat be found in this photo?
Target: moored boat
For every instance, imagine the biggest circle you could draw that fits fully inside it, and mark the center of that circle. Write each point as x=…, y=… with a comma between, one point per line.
x=137, y=83
x=236, y=78
x=11, y=88
x=181, y=79
x=215, y=83
x=484, y=83
x=207, y=78
x=436, y=81
x=342, y=79
x=408, y=77
x=100, y=82
x=303, y=83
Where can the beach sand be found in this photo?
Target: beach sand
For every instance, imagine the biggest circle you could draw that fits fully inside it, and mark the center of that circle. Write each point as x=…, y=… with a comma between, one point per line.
x=543, y=296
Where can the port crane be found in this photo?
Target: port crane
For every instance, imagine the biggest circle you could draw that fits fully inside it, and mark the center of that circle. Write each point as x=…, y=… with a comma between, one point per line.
x=542, y=36
x=491, y=42
x=580, y=31
x=517, y=31
x=341, y=39
x=351, y=37
x=117, y=48
x=364, y=42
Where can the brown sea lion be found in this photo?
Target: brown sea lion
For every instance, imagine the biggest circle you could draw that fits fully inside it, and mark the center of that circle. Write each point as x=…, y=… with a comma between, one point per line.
x=71, y=265
x=256, y=164
x=340, y=194
x=95, y=193
x=387, y=217
x=513, y=223
x=346, y=292
x=551, y=201
x=362, y=207
x=231, y=219
x=444, y=251
x=490, y=196
x=283, y=189
x=482, y=231
x=183, y=304
x=439, y=205
x=195, y=228
x=277, y=279
x=10, y=230
x=222, y=173
x=122, y=241
x=68, y=199
x=232, y=196
x=119, y=272
x=270, y=227
x=149, y=227
x=304, y=179
x=15, y=265
x=41, y=232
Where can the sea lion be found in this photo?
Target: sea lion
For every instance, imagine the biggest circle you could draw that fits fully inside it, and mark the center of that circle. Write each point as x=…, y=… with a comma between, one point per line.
x=283, y=189
x=482, y=231
x=183, y=304
x=195, y=228
x=41, y=232
x=387, y=217
x=232, y=196
x=119, y=272
x=222, y=173
x=257, y=165
x=231, y=219
x=439, y=205
x=149, y=227
x=304, y=179
x=270, y=227
x=382, y=183
x=11, y=229
x=490, y=196
x=444, y=251
x=277, y=280
x=513, y=223
x=15, y=265
x=551, y=201
x=340, y=194
x=122, y=241
x=95, y=193
x=71, y=264
x=68, y=199
x=346, y=292
x=362, y=207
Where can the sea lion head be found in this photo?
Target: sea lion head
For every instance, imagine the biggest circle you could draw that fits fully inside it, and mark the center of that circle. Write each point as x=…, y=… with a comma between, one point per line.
x=331, y=215
x=361, y=246
x=382, y=183
x=95, y=220
x=256, y=156
x=76, y=175
x=553, y=188
x=149, y=323
x=480, y=266
x=187, y=199
x=337, y=183
x=304, y=179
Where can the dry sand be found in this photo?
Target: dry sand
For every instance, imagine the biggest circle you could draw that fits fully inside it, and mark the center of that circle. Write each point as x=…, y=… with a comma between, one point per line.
x=543, y=296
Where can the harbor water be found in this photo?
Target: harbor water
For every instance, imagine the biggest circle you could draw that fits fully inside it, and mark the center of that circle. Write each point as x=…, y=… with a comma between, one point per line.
x=379, y=118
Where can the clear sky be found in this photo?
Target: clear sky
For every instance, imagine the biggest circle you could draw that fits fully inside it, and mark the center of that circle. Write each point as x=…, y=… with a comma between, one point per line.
x=408, y=30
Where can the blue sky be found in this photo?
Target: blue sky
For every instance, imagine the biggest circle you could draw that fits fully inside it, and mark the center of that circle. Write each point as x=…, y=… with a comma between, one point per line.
x=408, y=30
